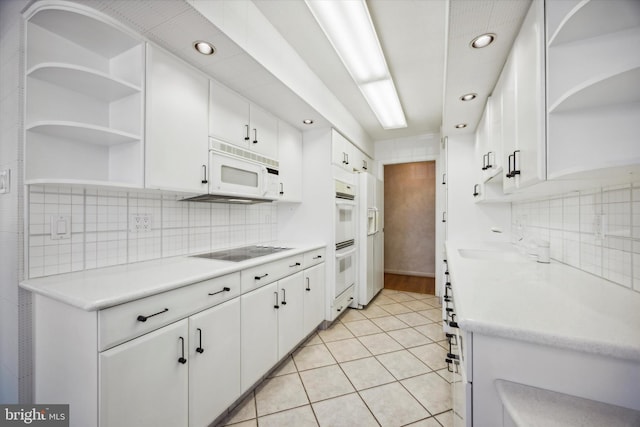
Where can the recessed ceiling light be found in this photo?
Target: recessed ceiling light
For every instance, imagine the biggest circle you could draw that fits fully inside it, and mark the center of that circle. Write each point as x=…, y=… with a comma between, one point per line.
x=461, y=125
x=204, y=48
x=307, y=121
x=483, y=40
x=468, y=96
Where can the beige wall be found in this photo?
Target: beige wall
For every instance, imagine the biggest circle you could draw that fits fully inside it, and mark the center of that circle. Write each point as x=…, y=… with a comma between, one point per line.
x=409, y=218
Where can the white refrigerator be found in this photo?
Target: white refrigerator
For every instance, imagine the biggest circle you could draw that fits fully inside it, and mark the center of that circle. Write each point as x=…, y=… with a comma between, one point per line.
x=371, y=238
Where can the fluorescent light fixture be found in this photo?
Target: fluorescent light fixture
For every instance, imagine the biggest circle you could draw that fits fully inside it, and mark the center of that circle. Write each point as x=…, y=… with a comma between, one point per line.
x=348, y=26
x=383, y=99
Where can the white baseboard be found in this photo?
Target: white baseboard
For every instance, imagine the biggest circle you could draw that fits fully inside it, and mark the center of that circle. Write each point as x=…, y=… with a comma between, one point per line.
x=410, y=273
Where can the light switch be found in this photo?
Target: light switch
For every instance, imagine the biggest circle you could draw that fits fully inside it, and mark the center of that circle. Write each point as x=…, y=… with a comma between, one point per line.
x=60, y=227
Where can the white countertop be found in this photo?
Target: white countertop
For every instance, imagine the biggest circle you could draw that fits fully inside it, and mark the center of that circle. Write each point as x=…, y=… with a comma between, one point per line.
x=105, y=287
x=551, y=304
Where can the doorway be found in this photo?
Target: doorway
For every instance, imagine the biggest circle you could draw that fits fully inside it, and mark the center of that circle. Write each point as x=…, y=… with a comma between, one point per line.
x=409, y=226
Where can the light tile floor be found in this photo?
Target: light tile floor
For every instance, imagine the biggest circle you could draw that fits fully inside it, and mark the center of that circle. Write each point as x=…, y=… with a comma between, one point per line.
x=381, y=366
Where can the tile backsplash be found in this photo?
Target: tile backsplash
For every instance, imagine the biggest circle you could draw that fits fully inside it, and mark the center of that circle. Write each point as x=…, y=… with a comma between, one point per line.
x=597, y=231
x=102, y=226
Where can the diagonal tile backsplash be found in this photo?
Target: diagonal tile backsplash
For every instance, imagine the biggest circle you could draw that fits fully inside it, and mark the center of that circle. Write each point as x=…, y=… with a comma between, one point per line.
x=597, y=231
x=102, y=227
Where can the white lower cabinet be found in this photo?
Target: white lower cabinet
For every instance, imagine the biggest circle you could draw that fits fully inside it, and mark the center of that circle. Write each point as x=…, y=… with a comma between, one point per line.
x=314, y=287
x=291, y=329
x=214, y=362
x=143, y=381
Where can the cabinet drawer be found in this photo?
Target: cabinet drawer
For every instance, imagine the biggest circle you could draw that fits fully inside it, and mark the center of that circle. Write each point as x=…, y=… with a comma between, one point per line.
x=264, y=274
x=125, y=321
x=314, y=257
x=341, y=303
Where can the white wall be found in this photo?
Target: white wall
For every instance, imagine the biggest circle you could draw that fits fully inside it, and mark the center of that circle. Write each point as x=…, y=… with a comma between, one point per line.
x=467, y=220
x=15, y=353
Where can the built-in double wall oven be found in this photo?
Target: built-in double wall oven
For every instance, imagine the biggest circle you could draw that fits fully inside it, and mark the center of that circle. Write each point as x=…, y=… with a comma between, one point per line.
x=345, y=220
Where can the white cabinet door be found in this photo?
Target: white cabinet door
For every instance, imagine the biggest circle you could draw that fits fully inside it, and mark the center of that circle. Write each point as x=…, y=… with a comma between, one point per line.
x=340, y=150
x=214, y=362
x=259, y=333
x=291, y=313
x=290, y=158
x=176, y=115
x=264, y=132
x=314, y=299
x=507, y=86
x=228, y=116
x=530, y=110
x=144, y=382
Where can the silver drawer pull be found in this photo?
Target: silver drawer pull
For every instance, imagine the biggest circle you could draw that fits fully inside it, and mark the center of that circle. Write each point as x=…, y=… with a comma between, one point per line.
x=297, y=264
x=225, y=289
x=142, y=318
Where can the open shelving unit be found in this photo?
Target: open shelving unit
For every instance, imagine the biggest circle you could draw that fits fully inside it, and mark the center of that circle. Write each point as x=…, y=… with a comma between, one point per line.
x=593, y=87
x=84, y=98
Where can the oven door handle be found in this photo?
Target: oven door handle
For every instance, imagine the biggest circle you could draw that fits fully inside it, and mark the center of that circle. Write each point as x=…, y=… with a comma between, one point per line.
x=349, y=252
x=346, y=203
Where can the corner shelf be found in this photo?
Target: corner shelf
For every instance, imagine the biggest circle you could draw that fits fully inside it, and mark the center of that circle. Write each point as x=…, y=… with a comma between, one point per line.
x=84, y=80
x=82, y=132
x=586, y=20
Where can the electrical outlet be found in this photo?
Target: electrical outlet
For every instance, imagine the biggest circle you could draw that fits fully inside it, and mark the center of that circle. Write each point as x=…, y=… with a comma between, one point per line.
x=60, y=227
x=140, y=223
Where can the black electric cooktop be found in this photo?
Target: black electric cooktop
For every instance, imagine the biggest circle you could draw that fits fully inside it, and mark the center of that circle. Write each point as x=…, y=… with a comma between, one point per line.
x=242, y=254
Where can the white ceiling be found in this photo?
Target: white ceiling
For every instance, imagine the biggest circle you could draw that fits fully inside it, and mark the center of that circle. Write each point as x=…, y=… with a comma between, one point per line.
x=426, y=44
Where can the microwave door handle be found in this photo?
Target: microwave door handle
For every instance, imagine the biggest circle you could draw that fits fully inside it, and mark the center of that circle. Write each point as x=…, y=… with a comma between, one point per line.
x=265, y=181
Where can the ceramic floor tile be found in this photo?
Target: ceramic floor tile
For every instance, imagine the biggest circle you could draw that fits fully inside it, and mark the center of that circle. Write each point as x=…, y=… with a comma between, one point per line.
x=416, y=305
x=248, y=423
x=434, y=314
x=431, y=390
x=380, y=343
x=446, y=374
x=313, y=356
x=299, y=417
x=286, y=367
x=280, y=393
x=431, y=354
x=343, y=411
x=312, y=340
x=429, y=422
x=402, y=296
x=336, y=332
x=351, y=315
x=389, y=323
x=245, y=410
x=325, y=383
x=372, y=311
x=409, y=337
x=365, y=373
x=444, y=344
x=413, y=319
x=385, y=291
x=403, y=364
x=345, y=350
x=392, y=405
x=397, y=308
x=382, y=300
x=446, y=419
x=363, y=327
x=433, y=331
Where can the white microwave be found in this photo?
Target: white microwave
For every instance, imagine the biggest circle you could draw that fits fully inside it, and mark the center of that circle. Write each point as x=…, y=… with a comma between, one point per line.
x=242, y=178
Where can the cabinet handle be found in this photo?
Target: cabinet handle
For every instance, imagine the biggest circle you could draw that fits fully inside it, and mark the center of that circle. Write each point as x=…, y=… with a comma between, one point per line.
x=340, y=309
x=484, y=162
x=204, y=174
x=225, y=289
x=281, y=188
x=246, y=138
x=515, y=170
x=200, y=349
x=351, y=299
x=317, y=257
x=444, y=217
x=453, y=356
x=452, y=338
x=509, y=173
x=181, y=359
x=255, y=135
x=475, y=190
x=142, y=318
x=261, y=277
x=308, y=288
x=489, y=165
x=284, y=297
x=452, y=322
x=449, y=361
x=364, y=164
x=347, y=154
x=444, y=181
x=276, y=306
x=297, y=264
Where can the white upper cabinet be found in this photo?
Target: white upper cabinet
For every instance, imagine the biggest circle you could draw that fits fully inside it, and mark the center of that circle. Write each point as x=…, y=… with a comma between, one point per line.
x=593, y=77
x=361, y=162
x=523, y=109
x=290, y=158
x=177, y=124
x=84, y=98
x=234, y=120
